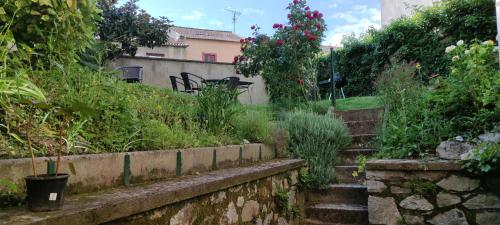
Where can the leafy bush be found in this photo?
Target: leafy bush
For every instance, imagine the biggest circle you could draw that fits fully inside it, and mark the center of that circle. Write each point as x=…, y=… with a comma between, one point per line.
x=316, y=138
x=483, y=160
x=465, y=103
x=412, y=128
x=253, y=125
x=217, y=105
x=421, y=38
x=285, y=60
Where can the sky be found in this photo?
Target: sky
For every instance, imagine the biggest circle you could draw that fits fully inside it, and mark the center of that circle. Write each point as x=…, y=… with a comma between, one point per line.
x=343, y=17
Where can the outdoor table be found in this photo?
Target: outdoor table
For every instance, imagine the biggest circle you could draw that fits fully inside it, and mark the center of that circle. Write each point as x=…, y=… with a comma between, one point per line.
x=241, y=84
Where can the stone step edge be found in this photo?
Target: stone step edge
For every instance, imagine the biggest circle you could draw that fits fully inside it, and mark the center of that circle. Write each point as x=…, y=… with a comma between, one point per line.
x=120, y=203
x=362, y=121
x=317, y=222
x=339, y=207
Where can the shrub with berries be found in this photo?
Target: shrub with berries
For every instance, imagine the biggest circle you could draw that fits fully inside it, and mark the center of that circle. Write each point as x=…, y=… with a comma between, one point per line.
x=285, y=59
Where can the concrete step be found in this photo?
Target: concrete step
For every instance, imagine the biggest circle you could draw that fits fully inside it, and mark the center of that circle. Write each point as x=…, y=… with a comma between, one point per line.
x=343, y=175
x=359, y=115
x=338, y=213
x=340, y=194
x=349, y=156
x=362, y=140
x=363, y=126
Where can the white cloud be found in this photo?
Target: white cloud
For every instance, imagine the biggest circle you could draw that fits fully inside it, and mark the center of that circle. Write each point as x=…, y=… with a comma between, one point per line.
x=357, y=21
x=195, y=15
x=253, y=11
x=216, y=23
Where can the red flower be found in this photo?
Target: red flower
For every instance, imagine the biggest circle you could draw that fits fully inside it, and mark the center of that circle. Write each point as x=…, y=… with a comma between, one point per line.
x=309, y=15
x=242, y=40
x=301, y=82
x=312, y=37
x=235, y=60
x=307, y=8
x=320, y=15
x=289, y=16
x=319, y=26
x=242, y=49
x=295, y=2
x=296, y=26
x=277, y=26
x=238, y=72
x=316, y=14
x=242, y=58
x=280, y=42
x=253, y=27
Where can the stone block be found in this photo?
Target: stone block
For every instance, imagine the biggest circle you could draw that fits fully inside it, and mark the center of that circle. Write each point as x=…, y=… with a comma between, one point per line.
x=413, y=220
x=383, y=211
x=458, y=183
x=400, y=190
x=375, y=186
x=454, y=216
x=488, y=218
x=444, y=199
x=483, y=201
x=416, y=202
x=251, y=209
x=453, y=149
x=385, y=175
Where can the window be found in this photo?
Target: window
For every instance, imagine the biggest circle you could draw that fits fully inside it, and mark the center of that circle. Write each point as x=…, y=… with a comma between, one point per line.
x=161, y=55
x=209, y=57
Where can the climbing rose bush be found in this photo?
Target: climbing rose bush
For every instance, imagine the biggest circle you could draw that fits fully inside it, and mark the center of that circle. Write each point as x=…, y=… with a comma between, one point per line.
x=285, y=59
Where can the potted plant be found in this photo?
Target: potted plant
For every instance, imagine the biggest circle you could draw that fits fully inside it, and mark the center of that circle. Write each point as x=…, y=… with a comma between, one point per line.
x=45, y=192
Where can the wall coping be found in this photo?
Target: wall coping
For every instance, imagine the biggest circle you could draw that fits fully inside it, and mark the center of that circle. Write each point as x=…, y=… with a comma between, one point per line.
x=105, y=207
x=413, y=165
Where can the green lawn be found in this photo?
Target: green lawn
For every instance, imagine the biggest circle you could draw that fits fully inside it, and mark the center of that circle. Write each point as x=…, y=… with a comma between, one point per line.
x=367, y=102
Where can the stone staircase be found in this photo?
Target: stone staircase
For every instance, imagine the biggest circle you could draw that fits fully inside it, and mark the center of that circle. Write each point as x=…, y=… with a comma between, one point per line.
x=345, y=202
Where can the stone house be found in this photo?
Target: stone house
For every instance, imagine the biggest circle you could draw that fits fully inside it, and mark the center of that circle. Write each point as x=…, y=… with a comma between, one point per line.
x=196, y=45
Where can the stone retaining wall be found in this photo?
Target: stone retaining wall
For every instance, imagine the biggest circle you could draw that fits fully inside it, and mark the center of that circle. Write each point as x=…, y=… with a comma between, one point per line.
x=434, y=192
x=96, y=172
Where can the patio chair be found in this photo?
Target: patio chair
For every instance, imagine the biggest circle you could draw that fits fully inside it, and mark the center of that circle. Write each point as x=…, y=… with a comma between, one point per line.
x=173, y=80
x=132, y=74
x=190, y=85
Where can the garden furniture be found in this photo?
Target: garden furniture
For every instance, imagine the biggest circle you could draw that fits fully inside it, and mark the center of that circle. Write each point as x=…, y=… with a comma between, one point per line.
x=132, y=74
x=190, y=85
x=232, y=83
x=174, y=82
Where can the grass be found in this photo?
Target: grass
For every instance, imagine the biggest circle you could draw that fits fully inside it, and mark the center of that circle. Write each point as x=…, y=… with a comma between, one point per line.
x=354, y=103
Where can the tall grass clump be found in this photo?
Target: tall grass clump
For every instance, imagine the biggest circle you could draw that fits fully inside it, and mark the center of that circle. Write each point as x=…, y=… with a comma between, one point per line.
x=316, y=139
x=217, y=106
x=253, y=125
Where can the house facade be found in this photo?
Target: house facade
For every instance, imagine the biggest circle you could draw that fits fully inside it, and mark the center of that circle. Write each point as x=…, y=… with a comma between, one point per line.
x=196, y=45
x=395, y=9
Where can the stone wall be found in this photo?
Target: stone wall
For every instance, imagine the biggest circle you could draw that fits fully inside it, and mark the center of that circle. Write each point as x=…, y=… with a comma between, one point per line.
x=433, y=192
x=255, y=203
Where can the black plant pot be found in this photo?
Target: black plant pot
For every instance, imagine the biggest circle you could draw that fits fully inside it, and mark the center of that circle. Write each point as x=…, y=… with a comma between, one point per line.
x=46, y=192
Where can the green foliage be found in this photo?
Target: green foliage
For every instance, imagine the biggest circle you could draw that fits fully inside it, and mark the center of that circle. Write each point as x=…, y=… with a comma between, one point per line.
x=10, y=196
x=286, y=60
x=45, y=26
x=355, y=103
x=217, y=106
x=316, y=138
x=361, y=163
x=421, y=38
x=412, y=128
x=465, y=103
x=253, y=125
x=485, y=159
x=131, y=27
x=423, y=187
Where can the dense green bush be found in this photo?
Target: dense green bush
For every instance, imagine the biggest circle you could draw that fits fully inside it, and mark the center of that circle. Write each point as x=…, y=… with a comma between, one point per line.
x=420, y=39
x=465, y=103
x=317, y=139
x=483, y=160
x=253, y=125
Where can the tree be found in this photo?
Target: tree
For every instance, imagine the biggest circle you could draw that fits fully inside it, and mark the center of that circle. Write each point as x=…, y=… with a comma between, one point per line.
x=131, y=27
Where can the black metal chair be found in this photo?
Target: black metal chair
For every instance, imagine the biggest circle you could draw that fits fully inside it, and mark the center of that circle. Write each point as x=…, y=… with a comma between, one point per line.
x=132, y=74
x=173, y=80
x=190, y=85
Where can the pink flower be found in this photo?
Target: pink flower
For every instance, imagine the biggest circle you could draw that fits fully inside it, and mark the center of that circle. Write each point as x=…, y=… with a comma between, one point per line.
x=309, y=15
x=242, y=40
x=296, y=26
x=319, y=26
x=307, y=8
x=289, y=16
x=312, y=37
x=242, y=49
x=280, y=42
x=242, y=58
x=295, y=2
x=320, y=15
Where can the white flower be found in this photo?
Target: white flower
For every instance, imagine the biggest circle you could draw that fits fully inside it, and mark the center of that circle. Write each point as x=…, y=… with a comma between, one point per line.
x=467, y=52
x=460, y=43
x=455, y=58
x=495, y=49
x=450, y=48
x=489, y=42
